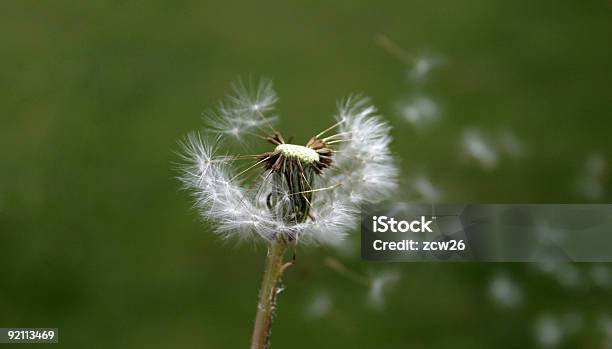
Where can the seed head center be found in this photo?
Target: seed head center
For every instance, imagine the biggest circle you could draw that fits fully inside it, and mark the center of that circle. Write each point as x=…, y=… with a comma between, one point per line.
x=304, y=154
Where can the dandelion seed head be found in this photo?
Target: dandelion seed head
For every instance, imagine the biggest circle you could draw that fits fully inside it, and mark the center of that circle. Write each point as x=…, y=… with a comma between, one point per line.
x=308, y=193
x=304, y=154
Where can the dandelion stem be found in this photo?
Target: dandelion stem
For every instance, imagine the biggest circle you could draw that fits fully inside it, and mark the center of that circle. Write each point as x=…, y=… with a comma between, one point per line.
x=266, y=305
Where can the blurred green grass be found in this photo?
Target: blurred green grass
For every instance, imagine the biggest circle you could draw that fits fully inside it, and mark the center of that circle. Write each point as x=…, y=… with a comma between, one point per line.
x=98, y=240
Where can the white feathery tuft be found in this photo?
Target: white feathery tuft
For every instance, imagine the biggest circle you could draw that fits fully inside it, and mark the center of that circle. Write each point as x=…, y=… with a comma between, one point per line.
x=220, y=198
x=245, y=112
x=367, y=170
x=333, y=220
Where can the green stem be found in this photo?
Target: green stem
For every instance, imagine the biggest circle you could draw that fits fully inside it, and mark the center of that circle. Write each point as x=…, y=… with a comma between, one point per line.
x=267, y=294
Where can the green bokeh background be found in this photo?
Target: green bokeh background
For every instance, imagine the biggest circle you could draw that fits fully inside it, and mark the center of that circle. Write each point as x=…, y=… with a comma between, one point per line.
x=97, y=240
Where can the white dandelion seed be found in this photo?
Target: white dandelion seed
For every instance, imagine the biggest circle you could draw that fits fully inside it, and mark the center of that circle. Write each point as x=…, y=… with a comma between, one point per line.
x=402, y=208
x=379, y=286
x=419, y=111
x=476, y=147
x=548, y=331
x=245, y=111
x=320, y=305
x=426, y=189
x=505, y=292
x=564, y=272
x=423, y=66
x=309, y=193
x=591, y=181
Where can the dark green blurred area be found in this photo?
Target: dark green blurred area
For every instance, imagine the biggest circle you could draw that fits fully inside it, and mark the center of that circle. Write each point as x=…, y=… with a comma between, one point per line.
x=98, y=241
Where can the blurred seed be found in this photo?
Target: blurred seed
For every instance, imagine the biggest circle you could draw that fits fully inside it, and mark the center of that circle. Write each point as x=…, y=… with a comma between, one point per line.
x=548, y=331
x=476, y=147
x=591, y=180
x=423, y=65
x=504, y=291
x=320, y=305
x=425, y=188
x=419, y=111
x=379, y=286
x=600, y=274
